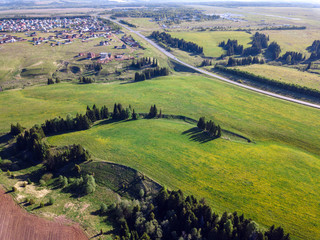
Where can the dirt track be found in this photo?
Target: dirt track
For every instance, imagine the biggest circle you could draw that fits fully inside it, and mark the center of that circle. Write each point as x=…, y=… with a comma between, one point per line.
x=16, y=223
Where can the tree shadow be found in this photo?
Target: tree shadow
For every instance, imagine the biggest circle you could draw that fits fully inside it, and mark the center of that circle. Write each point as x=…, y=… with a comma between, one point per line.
x=5, y=138
x=197, y=135
x=96, y=212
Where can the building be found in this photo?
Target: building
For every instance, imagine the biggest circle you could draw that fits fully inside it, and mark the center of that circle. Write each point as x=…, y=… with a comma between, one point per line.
x=91, y=55
x=104, y=55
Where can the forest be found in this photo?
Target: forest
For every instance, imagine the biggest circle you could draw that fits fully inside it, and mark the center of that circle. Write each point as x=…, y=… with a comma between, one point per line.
x=170, y=215
x=176, y=42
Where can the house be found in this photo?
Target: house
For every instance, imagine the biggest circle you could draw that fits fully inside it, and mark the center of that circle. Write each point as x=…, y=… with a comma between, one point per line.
x=104, y=55
x=91, y=55
x=104, y=43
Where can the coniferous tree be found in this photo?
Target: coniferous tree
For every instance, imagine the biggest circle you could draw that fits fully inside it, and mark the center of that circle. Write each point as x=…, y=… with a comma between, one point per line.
x=50, y=81
x=202, y=123
x=134, y=115
x=116, y=113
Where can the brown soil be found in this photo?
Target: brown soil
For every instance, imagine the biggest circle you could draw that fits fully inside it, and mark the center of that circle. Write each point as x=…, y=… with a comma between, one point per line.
x=15, y=223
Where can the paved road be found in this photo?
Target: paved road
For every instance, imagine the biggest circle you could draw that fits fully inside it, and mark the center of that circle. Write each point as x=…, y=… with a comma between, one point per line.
x=168, y=54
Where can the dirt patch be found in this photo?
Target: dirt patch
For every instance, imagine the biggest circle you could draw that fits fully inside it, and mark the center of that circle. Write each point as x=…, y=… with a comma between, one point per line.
x=22, y=186
x=36, y=64
x=15, y=223
x=69, y=205
x=84, y=207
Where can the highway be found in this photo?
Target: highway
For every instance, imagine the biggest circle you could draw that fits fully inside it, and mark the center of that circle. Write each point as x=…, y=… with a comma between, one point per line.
x=168, y=54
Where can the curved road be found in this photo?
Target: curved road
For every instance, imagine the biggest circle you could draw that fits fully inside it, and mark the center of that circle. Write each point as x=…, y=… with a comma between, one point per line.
x=215, y=75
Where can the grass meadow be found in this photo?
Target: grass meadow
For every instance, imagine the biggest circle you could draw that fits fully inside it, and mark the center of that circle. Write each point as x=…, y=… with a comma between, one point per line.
x=264, y=180
x=210, y=40
x=273, y=180
x=284, y=74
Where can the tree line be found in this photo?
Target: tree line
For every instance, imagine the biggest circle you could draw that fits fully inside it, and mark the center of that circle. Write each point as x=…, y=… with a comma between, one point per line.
x=151, y=73
x=171, y=216
x=86, y=80
x=127, y=23
x=53, y=80
x=259, y=42
x=292, y=57
x=96, y=66
x=210, y=127
x=74, y=154
x=176, y=42
x=120, y=113
x=143, y=62
x=271, y=82
x=206, y=62
x=232, y=47
x=244, y=61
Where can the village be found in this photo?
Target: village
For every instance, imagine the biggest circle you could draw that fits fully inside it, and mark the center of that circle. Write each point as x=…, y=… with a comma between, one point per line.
x=61, y=31
x=57, y=32
x=84, y=24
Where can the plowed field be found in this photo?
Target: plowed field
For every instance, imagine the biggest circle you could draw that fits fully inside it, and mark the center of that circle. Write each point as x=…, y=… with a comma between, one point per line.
x=15, y=223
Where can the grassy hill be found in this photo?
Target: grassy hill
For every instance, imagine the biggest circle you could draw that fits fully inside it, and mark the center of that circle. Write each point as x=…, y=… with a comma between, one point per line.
x=272, y=181
x=264, y=180
x=242, y=111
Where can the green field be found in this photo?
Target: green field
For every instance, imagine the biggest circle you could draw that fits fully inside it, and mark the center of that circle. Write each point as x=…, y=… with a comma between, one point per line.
x=144, y=24
x=293, y=40
x=284, y=157
x=210, y=40
x=284, y=74
x=264, y=180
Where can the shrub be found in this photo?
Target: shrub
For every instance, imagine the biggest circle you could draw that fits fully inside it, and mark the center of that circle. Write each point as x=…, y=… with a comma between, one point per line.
x=31, y=201
x=29, y=181
x=103, y=209
x=8, y=173
x=42, y=183
x=51, y=201
x=141, y=193
x=5, y=163
x=46, y=177
x=41, y=205
x=89, y=185
x=14, y=189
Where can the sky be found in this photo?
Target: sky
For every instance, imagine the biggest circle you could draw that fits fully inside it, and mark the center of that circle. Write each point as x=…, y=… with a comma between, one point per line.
x=276, y=1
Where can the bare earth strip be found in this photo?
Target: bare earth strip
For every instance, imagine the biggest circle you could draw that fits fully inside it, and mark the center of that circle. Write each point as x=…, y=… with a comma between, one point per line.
x=15, y=223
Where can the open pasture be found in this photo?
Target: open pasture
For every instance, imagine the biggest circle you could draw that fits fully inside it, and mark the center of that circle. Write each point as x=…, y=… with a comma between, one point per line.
x=284, y=74
x=210, y=40
x=264, y=180
x=275, y=177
